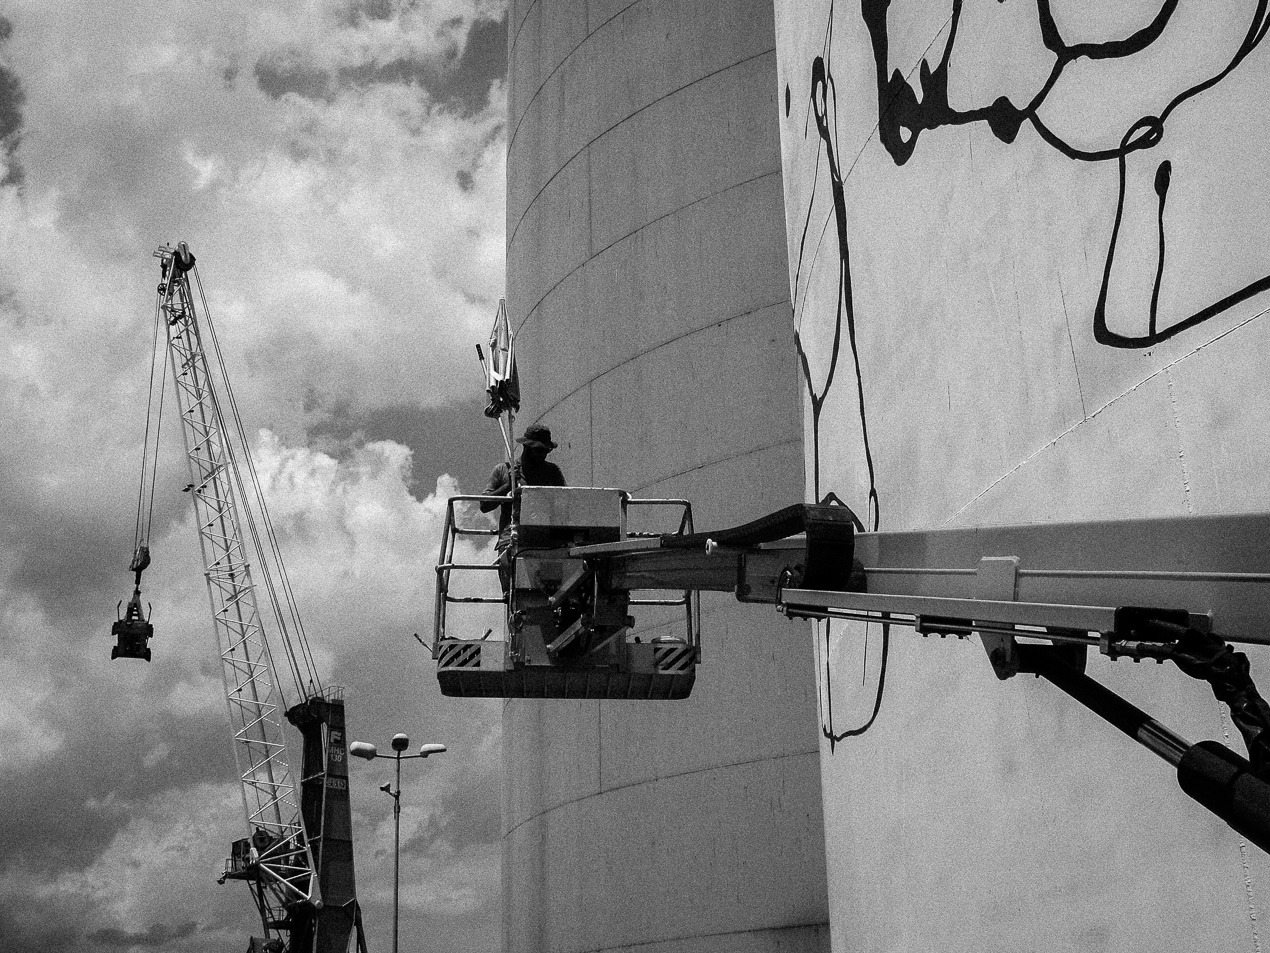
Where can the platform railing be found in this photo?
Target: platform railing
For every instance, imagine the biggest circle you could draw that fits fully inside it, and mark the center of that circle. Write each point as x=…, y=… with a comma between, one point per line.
x=451, y=534
x=690, y=599
x=453, y=531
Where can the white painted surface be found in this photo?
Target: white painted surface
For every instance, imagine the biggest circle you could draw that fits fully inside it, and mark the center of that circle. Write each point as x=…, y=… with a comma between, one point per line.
x=976, y=814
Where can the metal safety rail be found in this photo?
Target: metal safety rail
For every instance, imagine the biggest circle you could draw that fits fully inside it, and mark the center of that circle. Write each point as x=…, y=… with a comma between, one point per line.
x=567, y=631
x=1167, y=589
x=686, y=597
x=451, y=534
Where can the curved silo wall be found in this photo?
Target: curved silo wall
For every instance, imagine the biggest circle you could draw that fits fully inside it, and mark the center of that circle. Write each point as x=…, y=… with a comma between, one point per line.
x=1038, y=233
x=646, y=277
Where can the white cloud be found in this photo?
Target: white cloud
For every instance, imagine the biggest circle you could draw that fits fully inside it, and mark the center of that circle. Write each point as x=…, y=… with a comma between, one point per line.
x=347, y=269
x=335, y=240
x=360, y=550
x=358, y=543
x=26, y=737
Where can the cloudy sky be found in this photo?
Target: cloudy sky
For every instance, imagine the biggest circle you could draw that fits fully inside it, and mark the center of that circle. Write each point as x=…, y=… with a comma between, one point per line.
x=338, y=168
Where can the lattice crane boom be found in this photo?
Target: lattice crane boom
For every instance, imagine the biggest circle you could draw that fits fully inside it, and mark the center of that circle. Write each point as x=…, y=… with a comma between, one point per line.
x=254, y=699
x=297, y=857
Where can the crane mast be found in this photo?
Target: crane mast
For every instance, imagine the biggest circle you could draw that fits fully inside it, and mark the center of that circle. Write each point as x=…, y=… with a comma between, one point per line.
x=297, y=857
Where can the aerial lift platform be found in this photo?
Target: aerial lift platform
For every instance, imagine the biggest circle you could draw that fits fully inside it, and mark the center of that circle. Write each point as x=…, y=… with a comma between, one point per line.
x=577, y=573
x=1038, y=597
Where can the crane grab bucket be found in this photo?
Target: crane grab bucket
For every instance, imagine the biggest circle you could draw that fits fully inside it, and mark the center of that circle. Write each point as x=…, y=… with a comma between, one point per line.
x=132, y=632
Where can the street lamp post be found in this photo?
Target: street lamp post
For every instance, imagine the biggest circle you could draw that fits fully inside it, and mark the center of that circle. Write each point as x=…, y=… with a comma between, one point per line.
x=400, y=742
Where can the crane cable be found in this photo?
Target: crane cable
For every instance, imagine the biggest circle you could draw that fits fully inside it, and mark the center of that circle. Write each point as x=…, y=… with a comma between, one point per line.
x=149, y=454
x=290, y=625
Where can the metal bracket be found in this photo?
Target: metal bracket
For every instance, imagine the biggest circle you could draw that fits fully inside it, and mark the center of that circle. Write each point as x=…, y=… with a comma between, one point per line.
x=996, y=579
x=568, y=635
x=567, y=587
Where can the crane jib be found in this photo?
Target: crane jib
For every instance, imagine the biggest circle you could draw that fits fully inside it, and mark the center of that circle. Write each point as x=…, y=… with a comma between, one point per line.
x=297, y=857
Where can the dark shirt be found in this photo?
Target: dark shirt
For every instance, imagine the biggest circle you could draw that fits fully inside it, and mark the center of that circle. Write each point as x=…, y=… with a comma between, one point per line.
x=528, y=473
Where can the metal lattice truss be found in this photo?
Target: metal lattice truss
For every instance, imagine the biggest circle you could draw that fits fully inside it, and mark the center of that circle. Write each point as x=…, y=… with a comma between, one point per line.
x=255, y=703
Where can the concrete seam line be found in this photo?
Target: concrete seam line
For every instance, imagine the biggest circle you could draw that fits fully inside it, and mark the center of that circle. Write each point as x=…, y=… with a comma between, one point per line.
x=656, y=347
x=810, y=924
x=629, y=116
x=682, y=774
x=1088, y=417
x=564, y=59
x=617, y=241
x=515, y=35
x=711, y=463
x=555, y=69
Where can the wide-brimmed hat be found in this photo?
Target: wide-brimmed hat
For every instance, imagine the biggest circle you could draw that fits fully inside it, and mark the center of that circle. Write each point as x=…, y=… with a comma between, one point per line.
x=536, y=435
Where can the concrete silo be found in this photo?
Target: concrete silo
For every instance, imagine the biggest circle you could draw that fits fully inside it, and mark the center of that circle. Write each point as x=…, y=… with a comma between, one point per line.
x=1028, y=247
x=647, y=282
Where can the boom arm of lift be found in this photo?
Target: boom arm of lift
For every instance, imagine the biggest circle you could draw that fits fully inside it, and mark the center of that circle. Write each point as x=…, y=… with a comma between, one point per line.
x=1131, y=588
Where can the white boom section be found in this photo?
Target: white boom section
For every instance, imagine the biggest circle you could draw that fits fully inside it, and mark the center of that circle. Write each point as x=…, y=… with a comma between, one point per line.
x=255, y=703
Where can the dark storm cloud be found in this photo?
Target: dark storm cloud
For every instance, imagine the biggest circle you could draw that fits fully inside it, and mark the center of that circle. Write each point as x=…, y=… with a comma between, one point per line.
x=278, y=77
x=467, y=816
x=455, y=438
x=458, y=80
x=45, y=932
x=358, y=10
x=65, y=566
x=158, y=935
x=484, y=60
x=12, y=98
x=103, y=766
x=64, y=556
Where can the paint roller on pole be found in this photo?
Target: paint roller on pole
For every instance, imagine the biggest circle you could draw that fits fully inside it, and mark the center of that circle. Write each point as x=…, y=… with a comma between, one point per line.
x=502, y=381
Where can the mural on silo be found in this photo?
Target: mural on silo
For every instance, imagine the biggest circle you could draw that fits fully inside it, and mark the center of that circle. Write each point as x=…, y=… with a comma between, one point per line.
x=1029, y=251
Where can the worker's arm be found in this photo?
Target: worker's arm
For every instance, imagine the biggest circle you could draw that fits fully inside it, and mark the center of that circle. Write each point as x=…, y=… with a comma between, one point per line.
x=499, y=485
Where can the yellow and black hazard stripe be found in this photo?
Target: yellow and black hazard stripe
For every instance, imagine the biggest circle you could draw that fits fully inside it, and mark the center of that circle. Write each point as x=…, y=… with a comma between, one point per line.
x=674, y=658
x=459, y=655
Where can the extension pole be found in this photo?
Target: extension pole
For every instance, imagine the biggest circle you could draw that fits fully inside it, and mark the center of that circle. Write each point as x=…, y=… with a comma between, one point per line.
x=511, y=449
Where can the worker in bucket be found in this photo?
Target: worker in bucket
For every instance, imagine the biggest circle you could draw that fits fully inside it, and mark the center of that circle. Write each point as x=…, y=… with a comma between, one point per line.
x=532, y=469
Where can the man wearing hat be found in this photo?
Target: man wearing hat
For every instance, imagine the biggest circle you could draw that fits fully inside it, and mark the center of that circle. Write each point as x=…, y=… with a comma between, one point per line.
x=532, y=469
